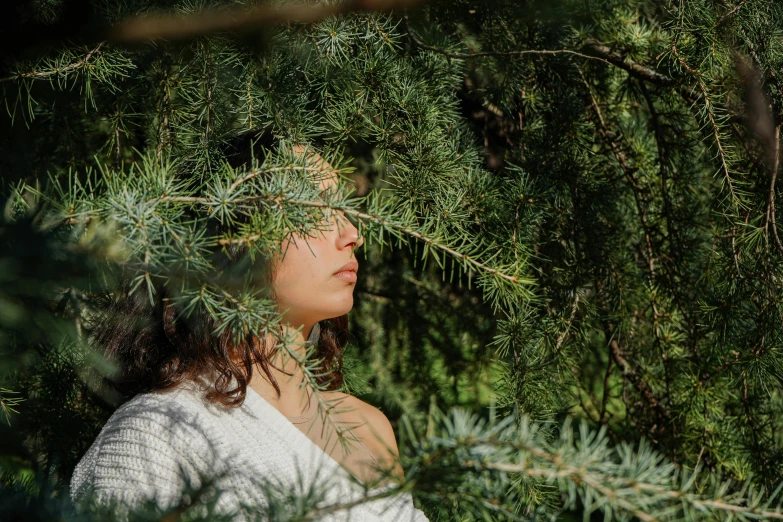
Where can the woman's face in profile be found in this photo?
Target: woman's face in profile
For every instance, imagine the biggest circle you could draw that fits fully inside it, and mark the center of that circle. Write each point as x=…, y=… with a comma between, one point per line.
x=316, y=276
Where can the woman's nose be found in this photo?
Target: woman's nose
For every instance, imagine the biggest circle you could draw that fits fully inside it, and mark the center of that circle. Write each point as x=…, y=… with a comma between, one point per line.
x=349, y=235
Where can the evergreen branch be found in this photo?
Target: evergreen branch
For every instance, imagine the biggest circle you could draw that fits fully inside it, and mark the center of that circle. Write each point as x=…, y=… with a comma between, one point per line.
x=599, y=481
x=481, y=54
x=642, y=207
x=559, y=342
x=709, y=108
x=599, y=52
x=8, y=401
x=673, y=231
x=239, y=241
x=325, y=406
x=648, y=74
x=636, y=480
x=257, y=172
x=718, y=143
x=569, y=322
x=627, y=369
x=56, y=71
x=754, y=428
x=370, y=495
x=594, y=480
x=622, y=160
x=639, y=383
x=729, y=16
x=623, y=62
x=771, y=219
x=208, y=21
x=378, y=220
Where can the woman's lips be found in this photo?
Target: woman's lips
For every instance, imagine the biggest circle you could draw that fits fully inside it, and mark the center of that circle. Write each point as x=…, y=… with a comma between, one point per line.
x=347, y=272
x=349, y=276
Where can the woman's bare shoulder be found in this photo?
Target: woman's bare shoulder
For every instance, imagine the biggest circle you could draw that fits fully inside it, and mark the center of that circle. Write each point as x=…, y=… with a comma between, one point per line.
x=368, y=423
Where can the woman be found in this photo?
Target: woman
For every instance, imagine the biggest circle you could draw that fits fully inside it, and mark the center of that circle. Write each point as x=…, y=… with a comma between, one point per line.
x=236, y=416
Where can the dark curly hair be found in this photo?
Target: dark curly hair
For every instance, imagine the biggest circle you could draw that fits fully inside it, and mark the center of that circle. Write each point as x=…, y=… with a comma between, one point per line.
x=156, y=348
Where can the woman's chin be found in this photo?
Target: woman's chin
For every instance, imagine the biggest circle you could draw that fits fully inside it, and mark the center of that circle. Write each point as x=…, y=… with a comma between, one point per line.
x=342, y=308
x=330, y=312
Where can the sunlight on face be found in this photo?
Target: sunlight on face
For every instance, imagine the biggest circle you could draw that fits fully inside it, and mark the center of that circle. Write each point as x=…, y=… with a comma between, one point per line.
x=306, y=286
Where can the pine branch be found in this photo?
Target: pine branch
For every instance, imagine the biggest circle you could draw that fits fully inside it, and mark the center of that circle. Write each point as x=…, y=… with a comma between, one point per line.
x=482, y=54
x=637, y=481
x=628, y=174
x=327, y=408
x=621, y=61
x=610, y=487
x=57, y=70
x=379, y=220
x=639, y=383
x=771, y=220
x=595, y=49
x=730, y=14
x=628, y=371
x=9, y=399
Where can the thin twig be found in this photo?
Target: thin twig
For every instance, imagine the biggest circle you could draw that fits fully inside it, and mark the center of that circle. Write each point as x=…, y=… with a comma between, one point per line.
x=641, y=205
x=730, y=14
x=771, y=219
x=257, y=172
x=57, y=70
x=323, y=404
x=639, y=383
x=709, y=107
x=481, y=54
x=623, y=62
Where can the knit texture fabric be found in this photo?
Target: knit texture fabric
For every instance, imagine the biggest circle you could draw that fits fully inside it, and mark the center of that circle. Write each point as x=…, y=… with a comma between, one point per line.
x=160, y=444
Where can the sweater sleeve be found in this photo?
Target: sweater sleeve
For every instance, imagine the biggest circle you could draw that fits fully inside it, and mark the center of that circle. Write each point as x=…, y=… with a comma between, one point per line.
x=151, y=449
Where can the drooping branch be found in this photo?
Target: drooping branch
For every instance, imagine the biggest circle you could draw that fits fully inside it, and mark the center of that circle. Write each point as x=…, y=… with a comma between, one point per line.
x=54, y=71
x=771, y=220
x=593, y=50
x=363, y=216
x=731, y=14
x=710, y=108
x=598, y=49
x=639, y=383
x=481, y=54
x=627, y=369
x=642, y=497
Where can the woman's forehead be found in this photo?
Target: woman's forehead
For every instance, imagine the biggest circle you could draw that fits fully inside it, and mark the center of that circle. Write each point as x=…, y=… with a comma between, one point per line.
x=328, y=175
x=329, y=180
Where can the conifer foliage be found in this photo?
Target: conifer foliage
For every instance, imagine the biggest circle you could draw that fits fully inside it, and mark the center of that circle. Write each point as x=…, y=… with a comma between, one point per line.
x=571, y=295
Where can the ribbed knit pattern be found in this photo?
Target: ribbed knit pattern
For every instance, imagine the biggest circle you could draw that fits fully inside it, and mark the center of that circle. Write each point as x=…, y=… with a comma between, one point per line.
x=158, y=444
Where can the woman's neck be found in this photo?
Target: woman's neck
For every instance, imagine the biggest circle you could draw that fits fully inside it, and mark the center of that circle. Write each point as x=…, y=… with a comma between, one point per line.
x=285, y=367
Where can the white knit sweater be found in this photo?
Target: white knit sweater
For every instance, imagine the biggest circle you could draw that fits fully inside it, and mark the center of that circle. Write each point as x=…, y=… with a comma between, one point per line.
x=157, y=444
